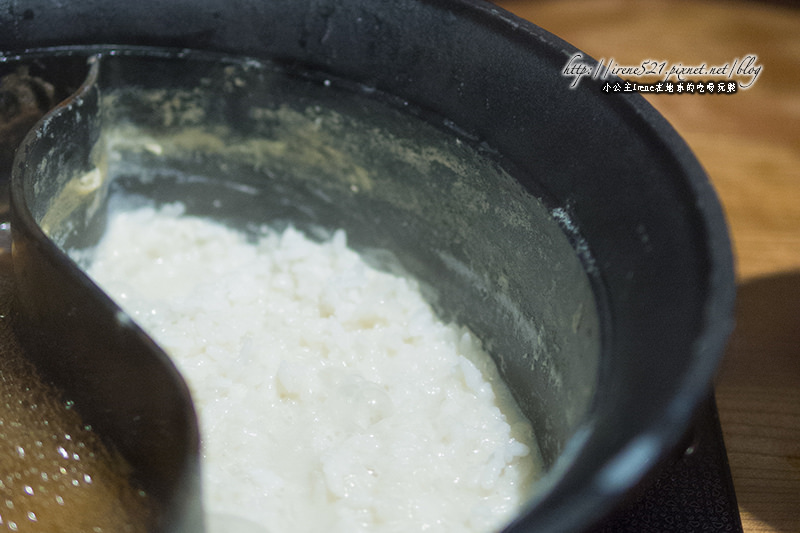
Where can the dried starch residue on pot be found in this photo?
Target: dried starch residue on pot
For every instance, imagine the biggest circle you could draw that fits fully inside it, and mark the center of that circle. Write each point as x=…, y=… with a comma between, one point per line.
x=330, y=396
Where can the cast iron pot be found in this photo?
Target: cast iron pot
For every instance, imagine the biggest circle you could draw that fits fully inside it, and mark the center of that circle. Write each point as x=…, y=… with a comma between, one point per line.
x=603, y=173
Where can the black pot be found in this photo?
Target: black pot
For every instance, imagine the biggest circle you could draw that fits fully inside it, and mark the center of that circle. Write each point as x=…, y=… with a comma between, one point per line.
x=597, y=265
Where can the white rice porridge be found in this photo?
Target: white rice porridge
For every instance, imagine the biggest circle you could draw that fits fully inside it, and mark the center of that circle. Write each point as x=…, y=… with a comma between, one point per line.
x=330, y=396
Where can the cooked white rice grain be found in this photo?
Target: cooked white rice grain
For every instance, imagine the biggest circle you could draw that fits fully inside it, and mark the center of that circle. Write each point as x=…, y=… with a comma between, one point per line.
x=330, y=396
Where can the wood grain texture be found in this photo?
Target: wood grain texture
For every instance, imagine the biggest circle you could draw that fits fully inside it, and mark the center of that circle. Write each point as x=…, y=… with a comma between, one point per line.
x=749, y=144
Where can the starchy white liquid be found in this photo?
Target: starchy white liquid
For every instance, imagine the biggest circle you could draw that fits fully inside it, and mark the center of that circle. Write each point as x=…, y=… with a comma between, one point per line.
x=330, y=396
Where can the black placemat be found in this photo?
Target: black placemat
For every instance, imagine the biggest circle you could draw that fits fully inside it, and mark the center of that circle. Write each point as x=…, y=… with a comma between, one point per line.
x=692, y=494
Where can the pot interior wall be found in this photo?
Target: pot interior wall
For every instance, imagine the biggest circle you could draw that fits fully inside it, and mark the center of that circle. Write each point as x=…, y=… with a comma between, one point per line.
x=250, y=143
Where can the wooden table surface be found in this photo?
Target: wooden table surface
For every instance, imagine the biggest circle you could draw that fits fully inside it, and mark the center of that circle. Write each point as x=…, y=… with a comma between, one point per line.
x=749, y=143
